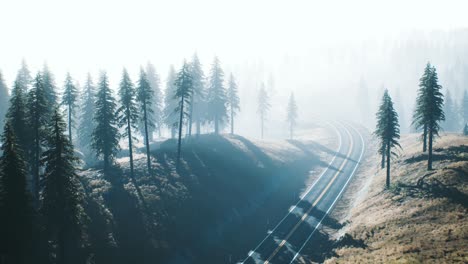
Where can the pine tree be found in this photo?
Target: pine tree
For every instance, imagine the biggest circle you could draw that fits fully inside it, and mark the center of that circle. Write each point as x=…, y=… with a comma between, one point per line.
x=145, y=95
x=465, y=108
x=263, y=106
x=233, y=100
x=157, y=114
x=16, y=221
x=387, y=130
x=49, y=88
x=216, y=97
x=87, y=122
x=16, y=115
x=450, y=123
x=429, y=109
x=37, y=118
x=291, y=115
x=197, y=106
x=62, y=199
x=465, y=130
x=418, y=121
x=24, y=78
x=170, y=103
x=183, y=95
x=4, y=96
x=127, y=113
x=105, y=136
x=69, y=100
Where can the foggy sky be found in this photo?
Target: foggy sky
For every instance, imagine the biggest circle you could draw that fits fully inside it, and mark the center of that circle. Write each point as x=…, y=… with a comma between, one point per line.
x=282, y=43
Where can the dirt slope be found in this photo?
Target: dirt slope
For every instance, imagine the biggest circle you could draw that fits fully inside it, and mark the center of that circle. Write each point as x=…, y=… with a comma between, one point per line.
x=423, y=218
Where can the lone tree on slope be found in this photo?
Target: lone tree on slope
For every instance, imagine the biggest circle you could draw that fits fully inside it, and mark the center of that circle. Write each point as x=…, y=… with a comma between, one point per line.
x=233, y=100
x=105, y=136
x=145, y=99
x=183, y=95
x=387, y=130
x=69, y=99
x=16, y=233
x=429, y=109
x=418, y=122
x=263, y=106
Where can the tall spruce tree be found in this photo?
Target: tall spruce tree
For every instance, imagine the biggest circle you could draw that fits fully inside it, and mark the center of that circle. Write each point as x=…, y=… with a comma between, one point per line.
x=16, y=221
x=291, y=116
x=87, y=122
x=145, y=98
x=49, y=89
x=157, y=114
x=70, y=94
x=62, y=199
x=450, y=109
x=16, y=115
x=263, y=107
x=429, y=109
x=105, y=136
x=418, y=120
x=197, y=106
x=233, y=100
x=464, y=107
x=183, y=95
x=387, y=130
x=24, y=78
x=37, y=117
x=216, y=97
x=170, y=103
x=128, y=113
x=4, y=96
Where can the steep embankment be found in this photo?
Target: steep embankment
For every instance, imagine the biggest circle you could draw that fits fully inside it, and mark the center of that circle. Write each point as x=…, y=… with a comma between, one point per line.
x=421, y=219
x=193, y=215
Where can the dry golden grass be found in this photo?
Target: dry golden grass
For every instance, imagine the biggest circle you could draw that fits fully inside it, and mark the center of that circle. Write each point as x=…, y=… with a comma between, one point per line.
x=410, y=223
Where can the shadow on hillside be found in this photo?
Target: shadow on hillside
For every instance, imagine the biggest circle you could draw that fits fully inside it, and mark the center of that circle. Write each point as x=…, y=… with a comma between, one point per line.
x=449, y=154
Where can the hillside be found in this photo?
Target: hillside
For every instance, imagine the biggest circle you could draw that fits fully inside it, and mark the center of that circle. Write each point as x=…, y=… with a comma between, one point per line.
x=206, y=210
x=421, y=219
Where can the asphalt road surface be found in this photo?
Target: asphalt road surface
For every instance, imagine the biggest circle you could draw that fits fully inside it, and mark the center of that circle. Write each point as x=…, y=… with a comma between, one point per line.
x=298, y=229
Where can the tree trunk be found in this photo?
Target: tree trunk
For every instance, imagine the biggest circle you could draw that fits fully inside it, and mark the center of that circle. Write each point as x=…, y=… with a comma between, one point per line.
x=291, y=131
x=425, y=139
x=429, y=159
x=36, y=163
x=130, y=150
x=190, y=118
x=145, y=119
x=388, y=164
x=180, y=130
x=382, y=163
x=69, y=124
x=61, y=247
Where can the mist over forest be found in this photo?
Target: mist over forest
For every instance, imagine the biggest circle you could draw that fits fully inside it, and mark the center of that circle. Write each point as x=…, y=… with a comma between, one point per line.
x=233, y=131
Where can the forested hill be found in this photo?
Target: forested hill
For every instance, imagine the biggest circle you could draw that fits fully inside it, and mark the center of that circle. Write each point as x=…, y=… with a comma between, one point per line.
x=188, y=214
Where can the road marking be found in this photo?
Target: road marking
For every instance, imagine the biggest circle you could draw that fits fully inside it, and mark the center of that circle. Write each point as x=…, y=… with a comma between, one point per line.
x=345, y=161
x=337, y=197
x=302, y=197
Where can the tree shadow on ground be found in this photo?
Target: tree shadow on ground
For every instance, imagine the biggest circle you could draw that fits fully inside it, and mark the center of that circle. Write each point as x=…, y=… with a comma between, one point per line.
x=454, y=153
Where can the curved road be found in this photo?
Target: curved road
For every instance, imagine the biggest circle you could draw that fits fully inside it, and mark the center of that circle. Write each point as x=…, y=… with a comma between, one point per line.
x=285, y=242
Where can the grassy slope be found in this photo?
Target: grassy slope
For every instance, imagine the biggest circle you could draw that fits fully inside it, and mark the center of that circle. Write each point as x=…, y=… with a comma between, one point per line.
x=411, y=223
x=223, y=181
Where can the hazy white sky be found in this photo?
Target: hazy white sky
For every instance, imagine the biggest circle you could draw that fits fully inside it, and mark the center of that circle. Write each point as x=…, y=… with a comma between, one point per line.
x=88, y=35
